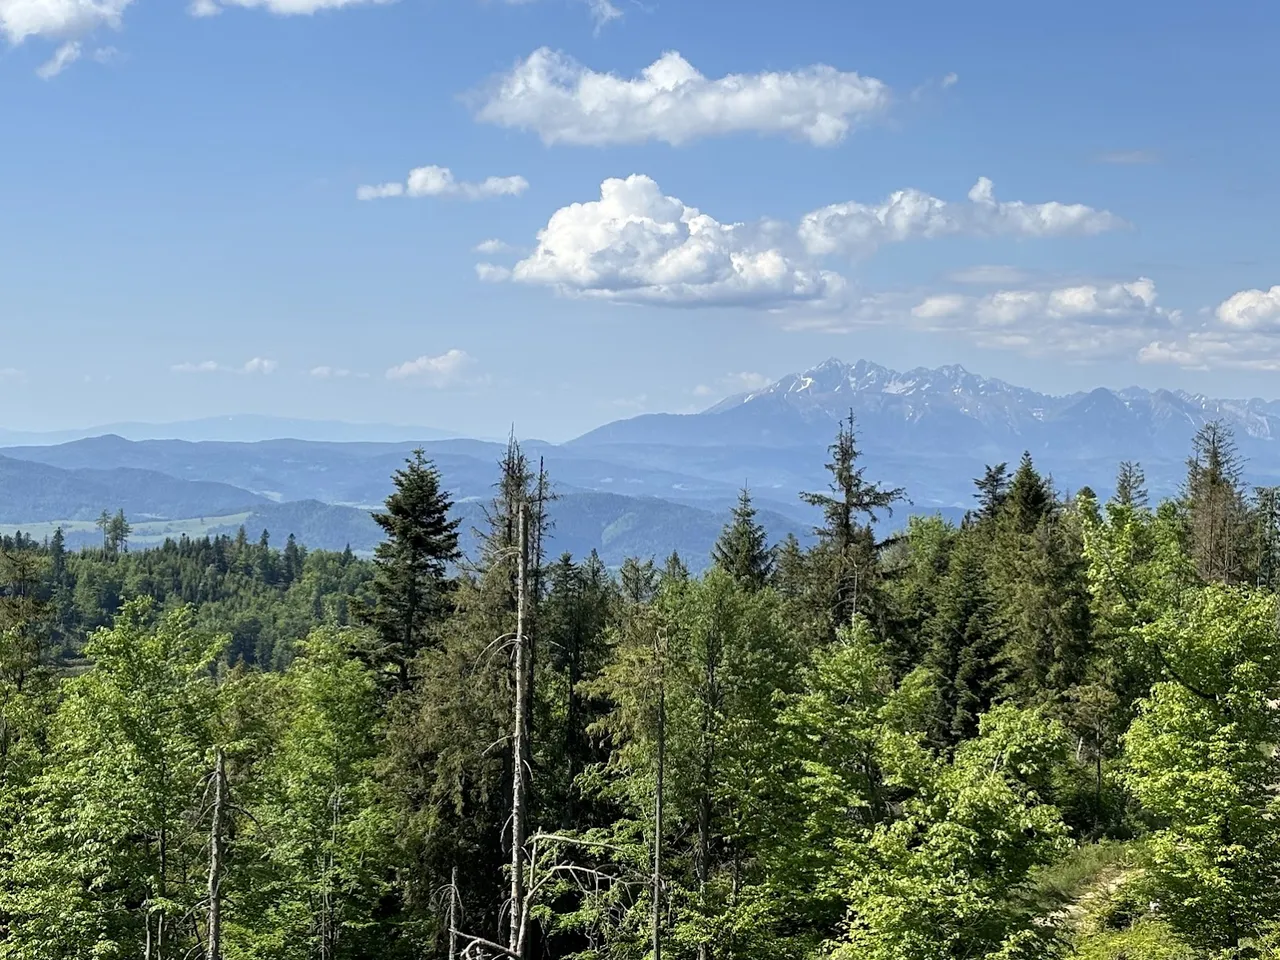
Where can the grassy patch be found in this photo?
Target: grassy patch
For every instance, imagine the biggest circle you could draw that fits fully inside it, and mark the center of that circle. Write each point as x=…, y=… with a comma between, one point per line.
x=145, y=532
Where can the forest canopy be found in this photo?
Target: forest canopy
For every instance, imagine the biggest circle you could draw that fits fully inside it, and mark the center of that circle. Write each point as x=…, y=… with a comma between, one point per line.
x=1047, y=732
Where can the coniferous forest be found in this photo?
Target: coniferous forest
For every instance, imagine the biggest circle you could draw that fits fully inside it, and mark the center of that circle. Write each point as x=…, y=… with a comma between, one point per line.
x=1048, y=732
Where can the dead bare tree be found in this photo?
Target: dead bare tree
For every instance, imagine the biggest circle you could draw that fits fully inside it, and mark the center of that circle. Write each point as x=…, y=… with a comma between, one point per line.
x=217, y=850
x=659, y=784
x=520, y=742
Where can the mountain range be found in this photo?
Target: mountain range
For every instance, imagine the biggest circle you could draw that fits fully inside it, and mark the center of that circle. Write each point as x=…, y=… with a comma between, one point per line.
x=644, y=485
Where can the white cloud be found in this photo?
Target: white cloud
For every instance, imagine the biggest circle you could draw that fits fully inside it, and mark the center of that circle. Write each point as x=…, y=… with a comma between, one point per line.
x=1242, y=333
x=565, y=102
x=205, y=366
x=602, y=12
x=58, y=19
x=744, y=382
x=67, y=21
x=909, y=214
x=62, y=58
x=950, y=80
x=330, y=373
x=439, y=371
x=1085, y=320
x=635, y=245
x=491, y=246
x=1251, y=310
x=433, y=181
x=12, y=373
x=1214, y=349
x=748, y=380
x=283, y=8
x=255, y=365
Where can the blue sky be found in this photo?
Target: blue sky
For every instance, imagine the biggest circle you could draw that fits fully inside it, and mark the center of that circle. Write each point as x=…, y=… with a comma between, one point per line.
x=182, y=234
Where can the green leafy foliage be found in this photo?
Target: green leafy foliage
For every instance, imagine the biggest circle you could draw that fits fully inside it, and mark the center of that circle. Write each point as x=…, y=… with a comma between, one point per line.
x=1048, y=732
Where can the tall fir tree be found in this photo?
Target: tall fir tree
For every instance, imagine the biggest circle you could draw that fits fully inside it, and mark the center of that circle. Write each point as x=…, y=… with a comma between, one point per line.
x=1213, y=503
x=743, y=549
x=411, y=584
x=847, y=551
x=1131, y=486
x=993, y=488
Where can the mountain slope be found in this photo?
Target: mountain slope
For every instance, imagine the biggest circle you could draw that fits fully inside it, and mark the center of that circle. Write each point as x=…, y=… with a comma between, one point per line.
x=950, y=410
x=33, y=491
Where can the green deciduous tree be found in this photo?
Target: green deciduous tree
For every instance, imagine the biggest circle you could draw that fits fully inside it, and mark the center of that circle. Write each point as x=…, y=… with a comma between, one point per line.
x=107, y=860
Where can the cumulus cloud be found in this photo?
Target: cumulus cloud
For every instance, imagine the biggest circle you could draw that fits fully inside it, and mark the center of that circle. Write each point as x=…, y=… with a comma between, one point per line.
x=636, y=245
x=68, y=22
x=910, y=214
x=1082, y=320
x=58, y=19
x=439, y=371
x=436, y=181
x=1251, y=310
x=260, y=365
x=491, y=246
x=564, y=101
x=284, y=8
x=1242, y=333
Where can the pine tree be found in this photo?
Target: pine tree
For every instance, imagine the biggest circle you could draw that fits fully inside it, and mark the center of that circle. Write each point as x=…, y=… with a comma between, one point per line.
x=847, y=548
x=674, y=570
x=410, y=584
x=993, y=488
x=1131, y=486
x=1030, y=499
x=1213, y=502
x=743, y=548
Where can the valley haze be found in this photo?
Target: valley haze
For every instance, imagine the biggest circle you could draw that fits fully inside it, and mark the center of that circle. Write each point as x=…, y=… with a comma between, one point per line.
x=646, y=485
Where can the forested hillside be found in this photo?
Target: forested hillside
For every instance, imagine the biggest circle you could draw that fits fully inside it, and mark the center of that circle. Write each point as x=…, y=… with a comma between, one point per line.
x=1046, y=732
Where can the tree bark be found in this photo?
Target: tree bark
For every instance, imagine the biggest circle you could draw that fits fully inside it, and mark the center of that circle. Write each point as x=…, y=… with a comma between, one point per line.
x=520, y=746
x=453, y=915
x=657, y=806
x=214, y=946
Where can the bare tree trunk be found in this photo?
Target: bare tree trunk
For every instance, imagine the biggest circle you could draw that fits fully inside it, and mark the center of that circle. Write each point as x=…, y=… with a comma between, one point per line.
x=520, y=747
x=708, y=782
x=213, y=949
x=163, y=887
x=453, y=915
x=657, y=807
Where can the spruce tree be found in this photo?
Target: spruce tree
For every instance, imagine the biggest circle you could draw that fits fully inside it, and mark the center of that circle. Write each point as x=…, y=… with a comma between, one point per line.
x=1131, y=486
x=410, y=584
x=743, y=548
x=1030, y=499
x=993, y=488
x=847, y=549
x=1214, y=506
